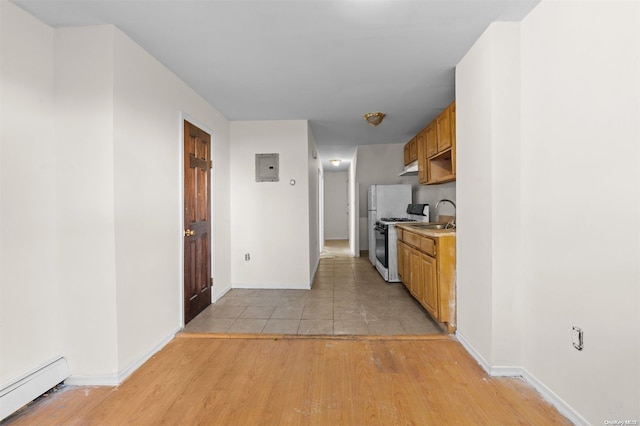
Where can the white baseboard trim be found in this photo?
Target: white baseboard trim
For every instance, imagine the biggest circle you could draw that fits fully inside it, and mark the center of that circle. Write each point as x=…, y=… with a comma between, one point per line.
x=219, y=296
x=475, y=354
x=122, y=375
x=33, y=384
x=551, y=397
x=315, y=269
x=516, y=371
x=92, y=380
x=245, y=286
x=506, y=371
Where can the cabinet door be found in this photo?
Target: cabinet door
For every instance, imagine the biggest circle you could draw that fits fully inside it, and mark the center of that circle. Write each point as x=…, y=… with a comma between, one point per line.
x=421, y=139
x=452, y=113
x=404, y=267
x=416, y=287
x=401, y=250
x=432, y=142
x=406, y=153
x=452, y=118
x=430, y=281
x=413, y=150
x=444, y=130
x=406, y=260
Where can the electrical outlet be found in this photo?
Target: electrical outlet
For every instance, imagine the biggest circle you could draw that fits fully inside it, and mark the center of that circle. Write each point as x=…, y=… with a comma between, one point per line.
x=247, y=257
x=577, y=336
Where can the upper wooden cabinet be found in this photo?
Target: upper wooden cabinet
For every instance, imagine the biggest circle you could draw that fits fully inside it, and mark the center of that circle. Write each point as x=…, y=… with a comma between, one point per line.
x=411, y=151
x=435, y=149
x=441, y=164
x=444, y=130
x=431, y=134
x=423, y=175
x=452, y=113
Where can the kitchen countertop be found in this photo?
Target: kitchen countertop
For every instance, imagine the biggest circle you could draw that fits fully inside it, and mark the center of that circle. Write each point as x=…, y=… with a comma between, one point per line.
x=434, y=233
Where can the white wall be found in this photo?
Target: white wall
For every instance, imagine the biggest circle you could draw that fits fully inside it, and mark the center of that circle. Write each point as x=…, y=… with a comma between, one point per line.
x=29, y=332
x=488, y=237
x=473, y=174
x=532, y=262
x=315, y=187
x=119, y=139
x=270, y=220
x=354, y=207
x=580, y=145
x=149, y=102
x=85, y=210
x=336, y=205
x=431, y=194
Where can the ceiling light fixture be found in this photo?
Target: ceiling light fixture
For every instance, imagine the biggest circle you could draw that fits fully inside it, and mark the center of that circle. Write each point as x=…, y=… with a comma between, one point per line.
x=335, y=162
x=374, y=118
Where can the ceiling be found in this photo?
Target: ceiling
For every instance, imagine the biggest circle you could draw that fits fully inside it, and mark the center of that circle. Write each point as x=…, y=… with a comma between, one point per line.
x=329, y=62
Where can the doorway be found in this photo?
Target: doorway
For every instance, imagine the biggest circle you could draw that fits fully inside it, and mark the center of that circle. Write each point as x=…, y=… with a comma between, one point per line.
x=336, y=206
x=320, y=211
x=197, y=221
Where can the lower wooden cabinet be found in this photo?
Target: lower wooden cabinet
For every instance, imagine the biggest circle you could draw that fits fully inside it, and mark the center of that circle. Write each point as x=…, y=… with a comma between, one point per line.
x=429, y=278
x=426, y=266
x=417, y=286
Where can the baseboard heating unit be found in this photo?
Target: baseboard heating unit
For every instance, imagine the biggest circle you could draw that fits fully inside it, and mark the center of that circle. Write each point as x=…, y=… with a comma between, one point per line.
x=27, y=388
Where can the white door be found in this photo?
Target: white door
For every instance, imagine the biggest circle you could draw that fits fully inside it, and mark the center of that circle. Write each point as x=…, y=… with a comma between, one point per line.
x=336, y=205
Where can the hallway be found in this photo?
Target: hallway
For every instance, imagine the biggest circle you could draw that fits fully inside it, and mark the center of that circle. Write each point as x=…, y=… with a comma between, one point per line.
x=348, y=297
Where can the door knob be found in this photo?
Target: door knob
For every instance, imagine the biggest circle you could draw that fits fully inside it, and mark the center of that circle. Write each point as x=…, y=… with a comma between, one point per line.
x=189, y=232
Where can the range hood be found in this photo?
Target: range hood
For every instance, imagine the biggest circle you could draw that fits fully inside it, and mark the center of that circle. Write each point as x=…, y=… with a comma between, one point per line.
x=410, y=169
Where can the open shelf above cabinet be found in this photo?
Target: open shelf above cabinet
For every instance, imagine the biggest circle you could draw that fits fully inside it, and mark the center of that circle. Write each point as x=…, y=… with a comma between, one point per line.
x=441, y=167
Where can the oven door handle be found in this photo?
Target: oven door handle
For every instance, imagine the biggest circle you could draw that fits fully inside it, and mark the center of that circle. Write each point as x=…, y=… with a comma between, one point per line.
x=381, y=230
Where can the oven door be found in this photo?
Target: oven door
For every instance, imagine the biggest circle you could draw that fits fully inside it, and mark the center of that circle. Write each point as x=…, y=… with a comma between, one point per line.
x=381, y=245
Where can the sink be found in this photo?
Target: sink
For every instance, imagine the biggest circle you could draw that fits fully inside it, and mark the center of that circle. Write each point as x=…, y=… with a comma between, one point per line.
x=431, y=225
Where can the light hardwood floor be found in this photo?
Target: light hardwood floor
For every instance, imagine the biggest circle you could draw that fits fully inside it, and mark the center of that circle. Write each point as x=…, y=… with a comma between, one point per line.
x=301, y=380
x=370, y=376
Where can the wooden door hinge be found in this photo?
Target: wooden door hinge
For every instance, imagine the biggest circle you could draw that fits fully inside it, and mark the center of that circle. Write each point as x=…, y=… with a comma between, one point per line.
x=211, y=281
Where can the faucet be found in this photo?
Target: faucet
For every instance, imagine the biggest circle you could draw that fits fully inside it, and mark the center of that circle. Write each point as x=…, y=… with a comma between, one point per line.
x=452, y=223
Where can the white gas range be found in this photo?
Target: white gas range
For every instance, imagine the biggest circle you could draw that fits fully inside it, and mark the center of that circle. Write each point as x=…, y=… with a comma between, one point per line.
x=387, y=240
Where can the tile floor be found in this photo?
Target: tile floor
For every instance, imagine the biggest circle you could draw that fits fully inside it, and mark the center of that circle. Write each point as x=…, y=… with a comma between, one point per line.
x=348, y=297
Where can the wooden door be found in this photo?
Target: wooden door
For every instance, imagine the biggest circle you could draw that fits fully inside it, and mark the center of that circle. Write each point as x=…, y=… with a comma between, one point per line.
x=197, y=222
